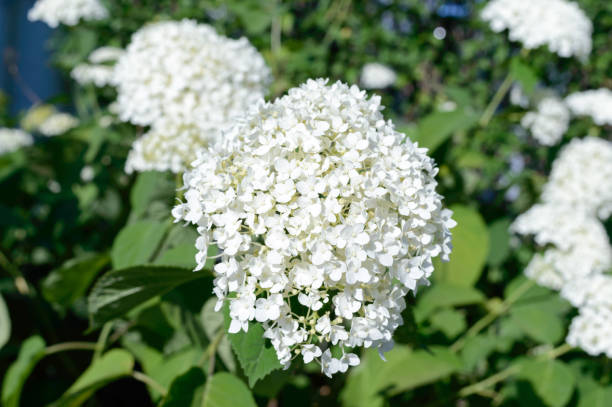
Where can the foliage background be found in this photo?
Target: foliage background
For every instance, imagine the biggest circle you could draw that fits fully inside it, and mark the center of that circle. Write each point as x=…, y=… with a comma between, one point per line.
x=54, y=245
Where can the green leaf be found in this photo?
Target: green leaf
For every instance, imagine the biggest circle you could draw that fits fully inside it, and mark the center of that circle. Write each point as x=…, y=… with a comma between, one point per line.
x=477, y=349
x=118, y=291
x=113, y=365
x=226, y=390
x=470, y=249
x=436, y=128
x=256, y=358
x=186, y=390
x=5, y=323
x=32, y=350
x=212, y=321
x=405, y=369
x=63, y=286
x=552, y=380
x=524, y=74
x=537, y=323
x=598, y=397
x=500, y=242
x=136, y=243
x=442, y=295
x=450, y=322
x=151, y=187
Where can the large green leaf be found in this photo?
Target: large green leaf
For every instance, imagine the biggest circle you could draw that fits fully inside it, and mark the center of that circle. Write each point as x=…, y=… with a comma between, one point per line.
x=186, y=390
x=436, y=128
x=113, y=365
x=597, y=397
x=151, y=195
x=226, y=390
x=500, y=242
x=118, y=291
x=256, y=358
x=552, y=380
x=63, y=286
x=405, y=369
x=539, y=324
x=32, y=350
x=470, y=249
x=5, y=323
x=136, y=243
x=442, y=295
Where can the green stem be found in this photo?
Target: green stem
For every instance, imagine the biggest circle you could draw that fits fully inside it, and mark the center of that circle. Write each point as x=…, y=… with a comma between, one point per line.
x=212, y=348
x=62, y=347
x=510, y=371
x=497, y=98
x=141, y=377
x=100, y=345
x=492, y=315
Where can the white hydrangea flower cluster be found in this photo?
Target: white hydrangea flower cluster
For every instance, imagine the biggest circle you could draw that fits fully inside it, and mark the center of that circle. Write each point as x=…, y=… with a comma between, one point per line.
x=13, y=139
x=189, y=75
x=595, y=103
x=377, y=76
x=579, y=191
x=582, y=177
x=327, y=217
x=559, y=24
x=58, y=123
x=99, y=70
x=549, y=123
x=68, y=12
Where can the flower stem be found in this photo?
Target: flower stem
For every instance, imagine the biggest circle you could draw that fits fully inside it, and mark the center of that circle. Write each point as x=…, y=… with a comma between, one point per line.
x=62, y=347
x=143, y=378
x=496, y=100
x=492, y=315
x=212, y=348
x=106, y=329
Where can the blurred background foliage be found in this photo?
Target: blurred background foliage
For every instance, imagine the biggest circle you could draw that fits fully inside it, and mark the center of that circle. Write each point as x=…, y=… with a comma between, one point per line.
x=69, y=213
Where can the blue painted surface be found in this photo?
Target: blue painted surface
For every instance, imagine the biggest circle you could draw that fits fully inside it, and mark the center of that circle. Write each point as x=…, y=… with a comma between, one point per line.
x=28, y=42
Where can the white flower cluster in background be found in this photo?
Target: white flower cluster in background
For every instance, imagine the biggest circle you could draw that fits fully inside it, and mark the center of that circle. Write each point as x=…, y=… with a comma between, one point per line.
x=99, y=70
x=549, y=123
x=577, y=196
x=377, y=76
x=57, y=123
x=13, y=139
x=559, y=24
x=595, y=103
x=185, y=72
x=316, y=200
x=68, y=12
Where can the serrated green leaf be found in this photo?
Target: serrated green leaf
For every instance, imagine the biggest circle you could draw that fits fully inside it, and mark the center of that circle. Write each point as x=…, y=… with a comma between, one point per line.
x=537, y=323
x=552, y=380
x=256, y=358
x=118, y=291
x=136, y=243
x=5, y=323
x=32, y=350
x=405, y=369
x=470, y=249
x=113, y=365
x=436, y=128
x=186, y=390
x=448, y=321
x=442, y=295
x=63, y=286
x=226, y=390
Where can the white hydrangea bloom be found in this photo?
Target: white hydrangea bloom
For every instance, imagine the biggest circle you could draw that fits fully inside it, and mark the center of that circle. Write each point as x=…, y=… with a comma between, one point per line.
x=591, y=330
x=594, y=103
x=58, y=123
x=377, y=76
x=186, y=70
x=99, y=71
x=68, y=12
x=13, y=139
x=581, y=177
x=580, y=244
x=170, y=145
x=549, y=123
x=594, y=290
x=559, y=24
x=316, y=197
